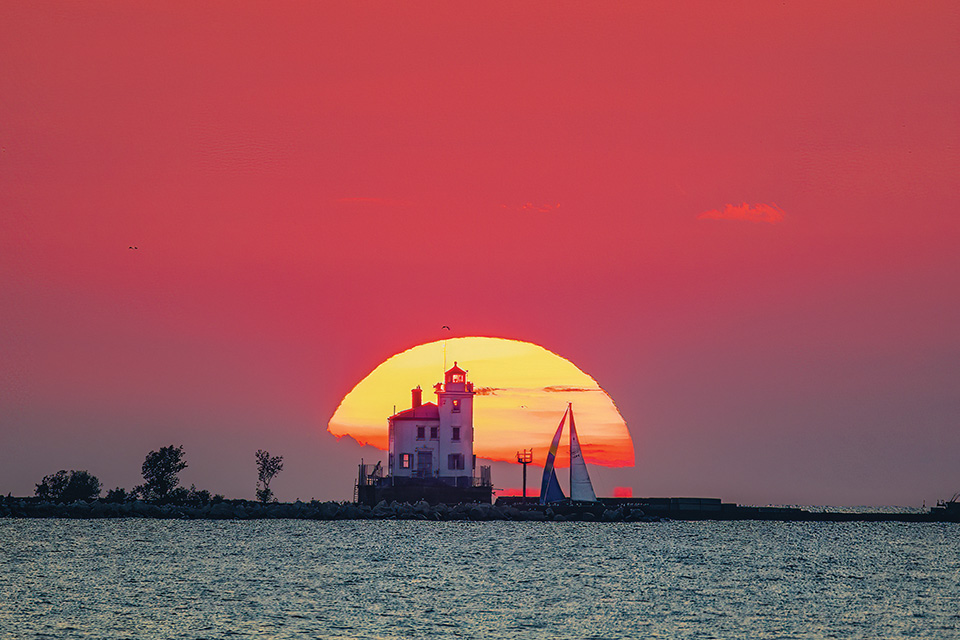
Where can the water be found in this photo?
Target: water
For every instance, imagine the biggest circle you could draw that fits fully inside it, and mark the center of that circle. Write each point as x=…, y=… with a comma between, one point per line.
x=396, y=579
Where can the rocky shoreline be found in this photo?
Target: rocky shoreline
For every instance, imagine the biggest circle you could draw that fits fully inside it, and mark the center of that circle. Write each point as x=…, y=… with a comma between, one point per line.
x=248, y=510
x=316, y=510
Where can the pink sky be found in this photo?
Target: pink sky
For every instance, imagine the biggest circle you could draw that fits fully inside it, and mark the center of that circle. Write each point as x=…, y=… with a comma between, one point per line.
x=316, y=187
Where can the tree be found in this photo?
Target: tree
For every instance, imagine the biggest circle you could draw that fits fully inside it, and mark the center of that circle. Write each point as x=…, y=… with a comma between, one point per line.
x=160, y=469
x=267, y=468
x=52, y=486
x=82, y=486
x=69, y=486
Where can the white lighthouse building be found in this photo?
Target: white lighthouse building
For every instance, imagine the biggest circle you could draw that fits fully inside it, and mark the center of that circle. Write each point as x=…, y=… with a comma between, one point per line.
x=431, y=451
x=436, y=440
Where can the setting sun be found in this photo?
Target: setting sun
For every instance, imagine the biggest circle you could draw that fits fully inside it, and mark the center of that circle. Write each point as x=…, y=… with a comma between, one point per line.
x=522, y=388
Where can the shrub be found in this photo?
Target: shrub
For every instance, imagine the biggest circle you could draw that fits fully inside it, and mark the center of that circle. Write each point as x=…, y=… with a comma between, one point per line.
x=69, y=486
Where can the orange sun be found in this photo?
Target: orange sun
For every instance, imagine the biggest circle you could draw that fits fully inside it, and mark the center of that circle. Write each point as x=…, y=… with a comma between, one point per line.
x=522, y=391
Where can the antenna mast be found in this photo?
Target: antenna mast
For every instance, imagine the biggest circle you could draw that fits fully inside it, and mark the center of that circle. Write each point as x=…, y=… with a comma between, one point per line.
x=525, y=457
x=445, y=345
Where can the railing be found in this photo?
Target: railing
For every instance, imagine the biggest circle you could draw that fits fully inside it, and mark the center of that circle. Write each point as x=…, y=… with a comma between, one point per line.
x=370, y=479
x=485, y=479
x=367, y=478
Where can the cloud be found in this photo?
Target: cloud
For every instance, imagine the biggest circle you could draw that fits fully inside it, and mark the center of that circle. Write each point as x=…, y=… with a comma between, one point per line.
x=561, y=389
x=759, y=212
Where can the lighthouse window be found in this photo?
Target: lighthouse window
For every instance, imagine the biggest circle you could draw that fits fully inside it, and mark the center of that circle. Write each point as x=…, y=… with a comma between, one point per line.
x=458, y=377
x=405, y=459
x=456, y=406
x=420, y=432
x=456, y=433
x=455, y=461
x=434, y=433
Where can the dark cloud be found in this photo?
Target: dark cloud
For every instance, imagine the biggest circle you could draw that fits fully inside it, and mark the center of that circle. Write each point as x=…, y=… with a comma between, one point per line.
x=486, y=391
x=562, y=389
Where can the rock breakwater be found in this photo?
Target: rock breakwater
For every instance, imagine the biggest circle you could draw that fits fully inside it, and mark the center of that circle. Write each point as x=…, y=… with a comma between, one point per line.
x=314, y=510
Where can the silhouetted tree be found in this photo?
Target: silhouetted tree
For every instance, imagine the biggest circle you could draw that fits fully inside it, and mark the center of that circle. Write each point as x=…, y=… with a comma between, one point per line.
x=69, y=486
x=52, y=486
x=267, y=468
x=82, y=486
x=160, y=469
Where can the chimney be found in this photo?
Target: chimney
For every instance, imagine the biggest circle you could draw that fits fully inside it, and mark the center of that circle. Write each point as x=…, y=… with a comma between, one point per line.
x=417, y=396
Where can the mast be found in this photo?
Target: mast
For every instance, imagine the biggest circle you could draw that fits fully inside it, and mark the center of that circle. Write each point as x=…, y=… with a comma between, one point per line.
x=581, y=489
x=524, y=458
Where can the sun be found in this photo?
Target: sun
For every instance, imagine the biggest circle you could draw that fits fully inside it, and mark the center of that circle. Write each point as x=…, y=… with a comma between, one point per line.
x=522, y=388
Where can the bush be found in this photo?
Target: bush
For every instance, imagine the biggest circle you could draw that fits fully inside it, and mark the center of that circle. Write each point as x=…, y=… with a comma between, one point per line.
x=69, y=486
x=119, y=495
x=193, y=497
x=199, y=497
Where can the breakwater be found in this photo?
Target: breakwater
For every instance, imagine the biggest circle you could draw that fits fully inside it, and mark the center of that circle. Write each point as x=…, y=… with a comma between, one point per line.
x=314, y=510
x=607, y=510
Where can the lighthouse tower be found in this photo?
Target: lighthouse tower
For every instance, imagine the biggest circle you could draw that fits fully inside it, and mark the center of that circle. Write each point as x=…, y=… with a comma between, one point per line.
x=455, y=404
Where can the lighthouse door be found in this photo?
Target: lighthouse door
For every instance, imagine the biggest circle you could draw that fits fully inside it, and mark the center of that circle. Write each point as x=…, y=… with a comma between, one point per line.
x=425, y=464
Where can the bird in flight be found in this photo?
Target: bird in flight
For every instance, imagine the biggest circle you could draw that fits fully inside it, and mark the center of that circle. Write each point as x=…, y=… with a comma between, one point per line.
x=445, y=327
x=133, y=247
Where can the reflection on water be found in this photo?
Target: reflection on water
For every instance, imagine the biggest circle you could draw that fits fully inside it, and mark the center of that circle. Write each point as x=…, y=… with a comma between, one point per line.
x=392, y=579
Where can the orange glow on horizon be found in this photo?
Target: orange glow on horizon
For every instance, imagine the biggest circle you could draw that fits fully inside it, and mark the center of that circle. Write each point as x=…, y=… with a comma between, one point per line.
x=517, y=492
x=523, y=390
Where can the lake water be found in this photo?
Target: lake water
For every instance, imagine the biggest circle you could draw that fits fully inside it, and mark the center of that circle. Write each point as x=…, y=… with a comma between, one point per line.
x=396, y=579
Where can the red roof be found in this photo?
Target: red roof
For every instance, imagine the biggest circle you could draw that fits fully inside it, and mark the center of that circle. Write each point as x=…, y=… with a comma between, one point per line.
x=455, y=369
x=427, y=411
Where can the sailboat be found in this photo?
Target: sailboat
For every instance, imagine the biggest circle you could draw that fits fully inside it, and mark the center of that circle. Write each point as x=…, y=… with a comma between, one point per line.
x=581, y=489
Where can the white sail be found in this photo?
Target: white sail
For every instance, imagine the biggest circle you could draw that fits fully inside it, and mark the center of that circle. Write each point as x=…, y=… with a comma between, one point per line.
x=581, y=489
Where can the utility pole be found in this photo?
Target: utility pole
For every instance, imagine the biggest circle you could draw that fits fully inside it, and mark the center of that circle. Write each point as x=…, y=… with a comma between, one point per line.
x=525, y=457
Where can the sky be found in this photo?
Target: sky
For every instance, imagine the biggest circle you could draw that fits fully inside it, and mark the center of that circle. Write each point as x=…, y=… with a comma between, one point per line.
x=739, y=219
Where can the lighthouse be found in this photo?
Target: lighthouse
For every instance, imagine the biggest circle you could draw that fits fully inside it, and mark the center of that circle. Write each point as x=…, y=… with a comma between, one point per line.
x=435, y=440
x=430, y=454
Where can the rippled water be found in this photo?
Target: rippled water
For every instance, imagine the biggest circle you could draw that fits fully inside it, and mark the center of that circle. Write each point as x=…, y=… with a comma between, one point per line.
x=391, y=579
